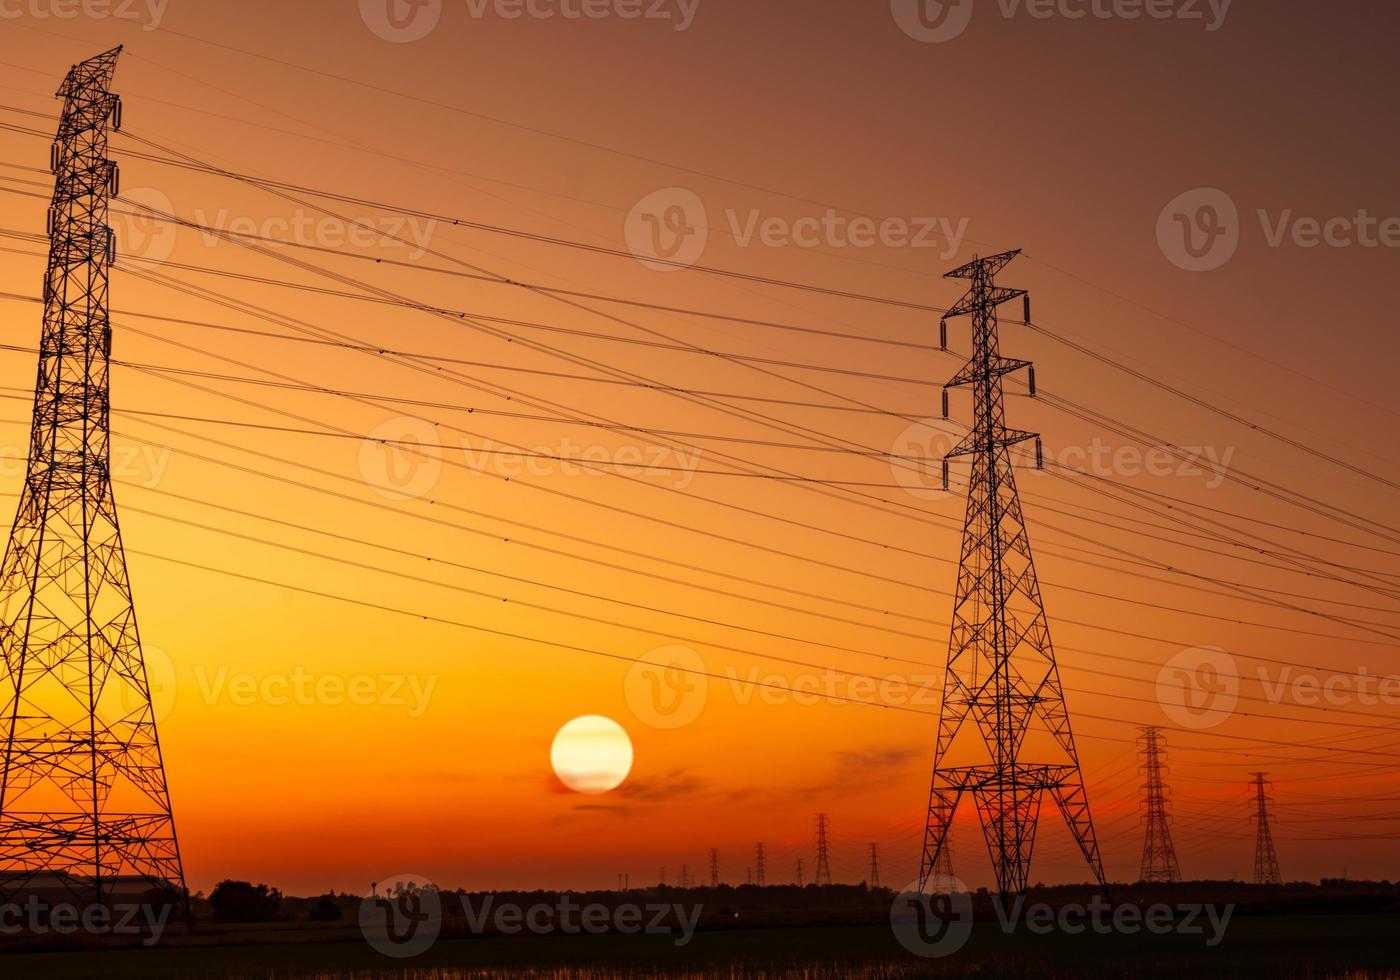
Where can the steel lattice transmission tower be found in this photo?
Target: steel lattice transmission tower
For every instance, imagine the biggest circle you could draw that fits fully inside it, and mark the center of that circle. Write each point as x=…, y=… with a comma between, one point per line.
x=942, y=880
x=1265, y=857
x=1158, y=854
x=1004, y=731
x=823, y=875
x=759, y=871
x=83, y=798
x=714, y=867
x=874, y=866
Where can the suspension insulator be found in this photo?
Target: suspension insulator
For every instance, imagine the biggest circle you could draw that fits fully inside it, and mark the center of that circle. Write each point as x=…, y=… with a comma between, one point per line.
x=943, y=335
x=51, y=223
x=1039, y=454
x=1032, y=381
x=1027, y=298
x=945, y=474
x=55, y=157
x=114, y=180
x=117, y=113
x=111, y=247
x=945, y=403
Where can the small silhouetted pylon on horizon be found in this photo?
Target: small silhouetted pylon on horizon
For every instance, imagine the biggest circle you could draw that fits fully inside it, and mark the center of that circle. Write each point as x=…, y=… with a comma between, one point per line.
x=714, y=867
x=823, y=875
x=1265, y=857
x=874, y=866
x=759, y=875
x=1159, y=862
x=941, y=880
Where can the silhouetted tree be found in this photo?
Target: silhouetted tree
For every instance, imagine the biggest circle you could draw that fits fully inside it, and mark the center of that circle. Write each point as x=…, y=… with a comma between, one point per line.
x=325, y=910
x=239, y=901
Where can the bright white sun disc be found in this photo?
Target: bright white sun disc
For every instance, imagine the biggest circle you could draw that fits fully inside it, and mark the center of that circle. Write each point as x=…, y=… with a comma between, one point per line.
x=591, y=754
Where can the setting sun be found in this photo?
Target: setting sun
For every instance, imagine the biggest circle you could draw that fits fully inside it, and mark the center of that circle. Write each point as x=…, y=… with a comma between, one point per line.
x=591, y=754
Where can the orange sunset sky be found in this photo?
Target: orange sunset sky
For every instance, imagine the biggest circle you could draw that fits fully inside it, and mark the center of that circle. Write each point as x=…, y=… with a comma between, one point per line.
x=246, y=383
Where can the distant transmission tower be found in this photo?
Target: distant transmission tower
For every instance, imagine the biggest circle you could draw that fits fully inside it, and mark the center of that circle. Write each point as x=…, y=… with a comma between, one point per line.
x=942, y=881
x=1004, y=732
x=759, y=875
x=714, y=867
x=1158, y=854
x=823, y=875
x=83, y=796
x=1265, y=857
x=874, y=866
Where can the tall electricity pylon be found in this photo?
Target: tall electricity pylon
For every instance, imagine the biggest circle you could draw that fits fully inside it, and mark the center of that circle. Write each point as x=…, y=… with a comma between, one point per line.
x=1265, y=857
x=874, y=866
x=1001, y=675
x=714, y=867
x=823, y=875
x=1158, y=854
x=759, y=871
x=83, y=797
